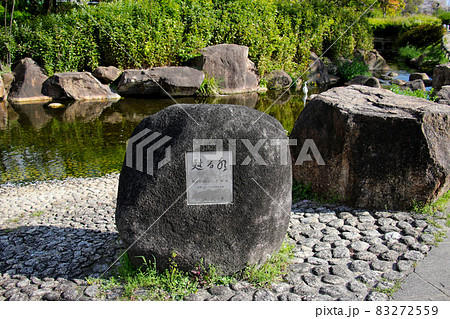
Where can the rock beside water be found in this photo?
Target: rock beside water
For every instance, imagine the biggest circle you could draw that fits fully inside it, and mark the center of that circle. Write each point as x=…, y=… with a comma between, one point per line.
x=380, y=149
x=152, y=211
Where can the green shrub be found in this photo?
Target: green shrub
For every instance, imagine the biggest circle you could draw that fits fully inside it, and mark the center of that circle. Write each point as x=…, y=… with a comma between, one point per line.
x=429, y=95
x=409, y=52
x=445, y=17
x=395, y=26
x=133, y=34
x=348, y=70
x=422, y=35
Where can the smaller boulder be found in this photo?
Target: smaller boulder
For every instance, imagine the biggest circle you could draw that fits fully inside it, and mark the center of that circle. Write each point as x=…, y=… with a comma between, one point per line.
x=373, y=60
x=418, y=76
x=441, y=76
x=415, y=85
x=443, y=96
x=364, y=80
x=107, y=74
x=392, y=74
x=8, y=79
x=318, y=72
x=398, y=82
x=176, y=81
x=230, y=66
x=27, y=84
x=77, y=86
x=278, y=79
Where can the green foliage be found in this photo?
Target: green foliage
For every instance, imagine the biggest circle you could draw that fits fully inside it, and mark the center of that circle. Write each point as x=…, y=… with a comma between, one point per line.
x=409, y=52
x=209, y=87
x=348, y=70
x=175, y=284
x=428, y=95
x=271, y=271
x=434, y=211
x=395, y=26
x=444, y=16
x=422, y=35
x=429, y=56
x=127, y=34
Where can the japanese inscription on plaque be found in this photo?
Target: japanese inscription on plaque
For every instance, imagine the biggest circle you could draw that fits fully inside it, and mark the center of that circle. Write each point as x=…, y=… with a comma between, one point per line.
x=209, y=178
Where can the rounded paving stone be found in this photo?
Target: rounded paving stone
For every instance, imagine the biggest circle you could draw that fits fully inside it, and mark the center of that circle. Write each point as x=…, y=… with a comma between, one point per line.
x=359, y=266
x=311, y=280
x=380, y=265
x=324, y=254
x=241, y=297
x=289, y=297
x=320, y=270
x=51, y=296
x=377, y=296
x=341, y=252
x=359, y=246
x=70, y=295
x=333, y=291
x=317, y=261
x=219, y=290
x=333, y=280
x=413, y=255
x=321, y=246
x=304, y=290
x=264, y=295
x=356, y=286
x=365, y=255
x=405, y=265
x=378, y=249
x=389, y=255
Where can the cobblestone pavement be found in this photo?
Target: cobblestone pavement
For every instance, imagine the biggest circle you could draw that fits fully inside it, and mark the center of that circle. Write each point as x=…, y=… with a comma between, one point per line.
x=55, y=234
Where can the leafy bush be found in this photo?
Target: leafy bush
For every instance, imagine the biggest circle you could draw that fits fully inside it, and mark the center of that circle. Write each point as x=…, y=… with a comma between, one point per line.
x=128, y=34
x=348, y=70
x=429, y=95
x=422, y=35
x=392, y=26
x=445, y=17
x=431, y=55
x=409, y=52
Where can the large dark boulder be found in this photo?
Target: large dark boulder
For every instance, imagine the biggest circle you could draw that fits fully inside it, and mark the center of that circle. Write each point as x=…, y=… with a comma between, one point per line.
x=27, y=84
x=77, y=86
x=230, y=66
x=107, y=74
x=160, y=81
x=153, y=216
x=380, y=149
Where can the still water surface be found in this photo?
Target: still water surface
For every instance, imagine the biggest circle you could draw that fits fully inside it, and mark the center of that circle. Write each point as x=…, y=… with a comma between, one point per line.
x=89, y=138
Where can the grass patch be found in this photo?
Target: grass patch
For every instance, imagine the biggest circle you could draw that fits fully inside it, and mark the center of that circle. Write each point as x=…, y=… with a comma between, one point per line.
x=148, y=283
x=348, y=70
x=434, y=211
x=209, y=87
x=429, y=95
x=391, y=290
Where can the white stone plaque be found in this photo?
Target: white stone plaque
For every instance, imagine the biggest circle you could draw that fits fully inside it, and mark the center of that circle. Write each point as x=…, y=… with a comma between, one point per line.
x=209, y=178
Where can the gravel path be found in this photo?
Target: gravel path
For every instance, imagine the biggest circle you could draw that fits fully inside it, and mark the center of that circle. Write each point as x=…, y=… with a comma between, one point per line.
x=55, y=234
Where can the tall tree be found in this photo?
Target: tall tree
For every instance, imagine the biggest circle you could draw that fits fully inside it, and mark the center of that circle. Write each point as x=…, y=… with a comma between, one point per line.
x=391, y=6
x=412, y=6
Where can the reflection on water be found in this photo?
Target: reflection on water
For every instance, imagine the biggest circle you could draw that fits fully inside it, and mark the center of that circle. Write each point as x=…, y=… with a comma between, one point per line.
x=89, y=138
